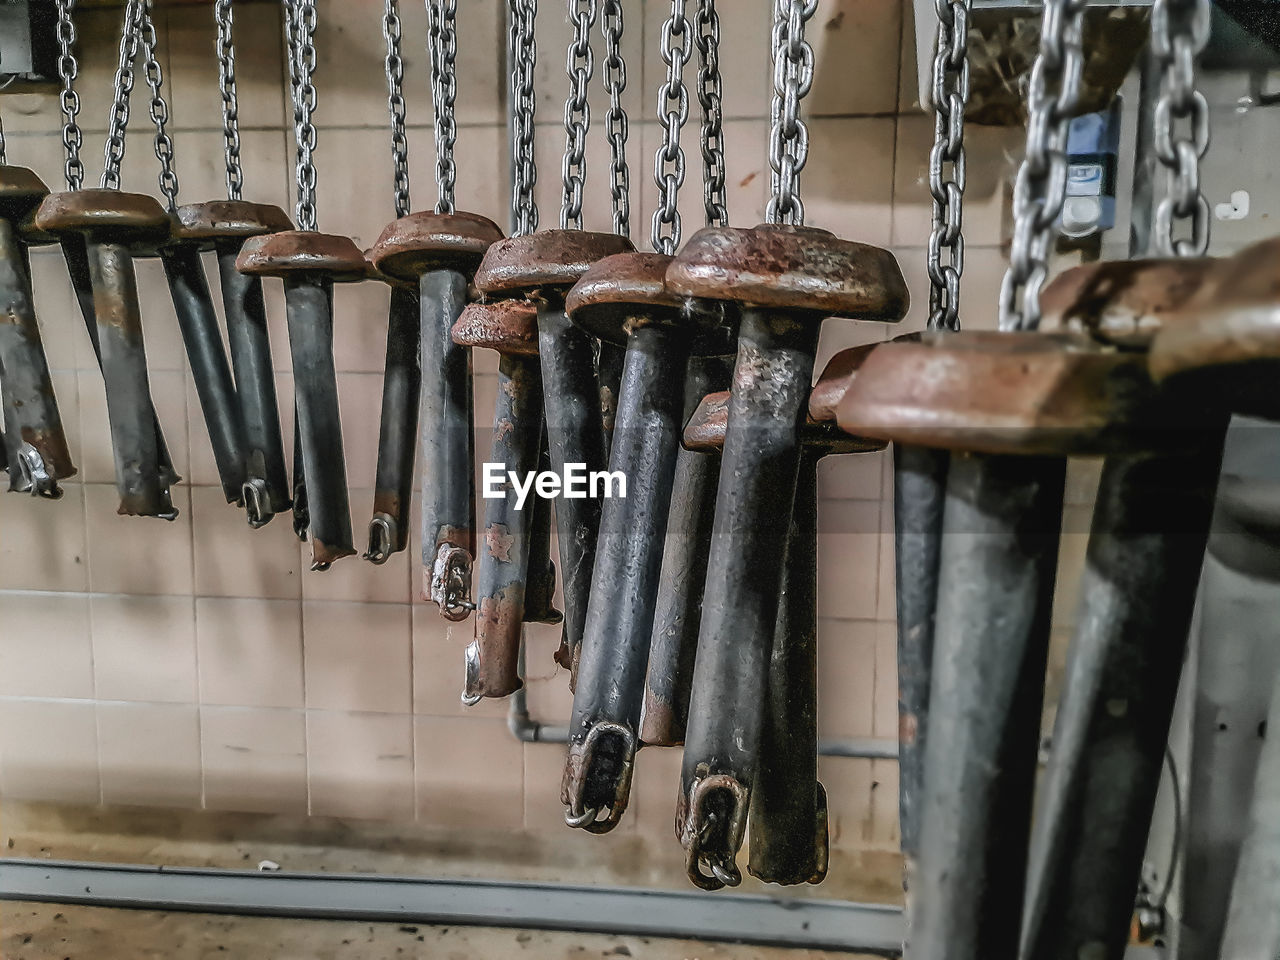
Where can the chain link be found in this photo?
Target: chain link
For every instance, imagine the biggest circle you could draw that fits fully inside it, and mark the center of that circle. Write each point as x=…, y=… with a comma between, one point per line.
x=792, y=80
x=1179, y=32
x=524, y=48
x=579, y=64
x=614, y=71
x=394, y=68
x=113, y=152
x=710, y=98
x=4, y=156
x=302, y=30
x=225, y=16
x=159, y=111
x=68, y=70
x=1053, y=95
x=444, y=96
x=673, y=111
x=950, y=94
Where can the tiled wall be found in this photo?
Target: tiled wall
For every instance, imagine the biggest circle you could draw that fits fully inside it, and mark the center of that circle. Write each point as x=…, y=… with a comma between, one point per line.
x=201, y=664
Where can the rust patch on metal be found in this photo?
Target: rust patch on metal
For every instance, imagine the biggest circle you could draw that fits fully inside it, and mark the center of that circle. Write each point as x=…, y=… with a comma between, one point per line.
x=303, y=251
x=549, y=261
x=835, y=380
x=507, y=326
x=422, y=242
x=109, y=216
x=323, y=553
x=908, y=729
x=386, y=502
x=498, y=541
x=53, y=450
x=204, y=223
x=706, y=430
x=660, y=726
x=499, y=621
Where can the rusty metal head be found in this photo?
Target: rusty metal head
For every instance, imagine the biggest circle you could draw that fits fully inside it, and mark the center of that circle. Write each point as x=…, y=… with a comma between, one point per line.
x=706, y=429
x=105, y=216
x=1227, y=337
x=1026, y=393
x=21, y=191
x=422, y=242
x=836, y=377
x=1123, y=302
x=206, y=223
x=32, y=235
x=625, y=291
x=544, y=264
x=781, y=267
x=293, y=252
x=508, y=326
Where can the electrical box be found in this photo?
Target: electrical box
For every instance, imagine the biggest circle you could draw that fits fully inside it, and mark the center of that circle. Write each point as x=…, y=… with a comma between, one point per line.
x=28, y=45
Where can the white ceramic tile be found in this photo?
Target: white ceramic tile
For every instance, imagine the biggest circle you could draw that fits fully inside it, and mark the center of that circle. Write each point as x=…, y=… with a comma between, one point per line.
x=357, y=656
x=49, y=751
x=61, y=328
x=847, y=185
x=848, y=558
x=360, y=765
x=438, y=667
x=140, y=555
x=470, y=773
x=149, y=754
x=44, y=647
x=144, y=648
x=234, y=560
x=44, y=545
x=355, y=578
x=845, y=33
x=846, y=678
x=254, y=761
x=250, y=652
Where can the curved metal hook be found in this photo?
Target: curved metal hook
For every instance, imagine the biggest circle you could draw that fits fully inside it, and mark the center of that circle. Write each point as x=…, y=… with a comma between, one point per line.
x=382, y=535
x=253, y=493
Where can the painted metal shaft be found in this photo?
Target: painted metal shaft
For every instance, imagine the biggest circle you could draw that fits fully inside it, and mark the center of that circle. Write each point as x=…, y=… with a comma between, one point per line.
x=250, y=343
x=1137, y=595
x=744, y=579
x=575, y=435
x=788, y=821
x=143, y=488
x=33, y=425
x=398, y=429
x=609, y=362
x=615, y=646
x=448, y=451
x=1001, y=529
x=492, y=659
x=309, y=307
x=678, y=610
x=210, y=369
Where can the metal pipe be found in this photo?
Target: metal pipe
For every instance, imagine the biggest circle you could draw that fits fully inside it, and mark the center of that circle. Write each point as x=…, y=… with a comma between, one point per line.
x=610, y=358
x=540, y=589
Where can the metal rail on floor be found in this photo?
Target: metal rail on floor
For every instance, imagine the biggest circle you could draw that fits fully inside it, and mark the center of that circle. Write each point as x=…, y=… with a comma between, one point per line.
x=734, y=918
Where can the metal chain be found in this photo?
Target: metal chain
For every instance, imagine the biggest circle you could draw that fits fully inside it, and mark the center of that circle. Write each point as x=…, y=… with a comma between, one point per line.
x=68, y=70
x=950, y=94
x=673, y=111
x=113, y=152
x=524, y=206
x=1179, y=31
x=614, y=71
x=792, y=80
x=159, y=111
x=4, y=156
x=394, y=68
x=444, y=97
x=579, y=64
x=225, y=16
x=304, y=104
x=1039, y=191
x=710, y=98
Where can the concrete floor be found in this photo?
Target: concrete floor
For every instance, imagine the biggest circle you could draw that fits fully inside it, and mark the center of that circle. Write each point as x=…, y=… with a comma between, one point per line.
x=33, y=931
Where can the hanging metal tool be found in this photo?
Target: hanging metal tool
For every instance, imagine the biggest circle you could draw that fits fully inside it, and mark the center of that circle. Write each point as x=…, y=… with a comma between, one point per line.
x=678, y=609
x=224, y=226
x=787, y=278
x=310, y=263
x=114, y=226
x=35, y=443
x=543, y=267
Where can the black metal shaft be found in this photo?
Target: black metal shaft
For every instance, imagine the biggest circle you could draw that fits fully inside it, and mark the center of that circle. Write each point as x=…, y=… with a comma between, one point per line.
x=788, y=819
x=267, y=479
x=143, y=489
x=309, y=306
x=919, y=492
x=678, y=608
x=1001, y=529
x=448, y=450
x=75, y=253
x=615, y=646
x=609, y=362
x=398, y=430
x=301, y=512
x=1146, y=546
x=492, y=659
x=210, y=370
x=575, y=435
x=38, y=453
x=539, y=598
x=744, y=578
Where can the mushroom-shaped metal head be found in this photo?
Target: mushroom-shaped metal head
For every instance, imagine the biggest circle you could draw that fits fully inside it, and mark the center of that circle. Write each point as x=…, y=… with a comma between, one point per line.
x=706, y=429
x=626, y=291
x=1122, y=302
x=422, y=242
x=21, y=192
x=1229, y=332
x=293, y=252
x=801, y=269
x=545, y=264
x=1023, y=393
x=105, y=216
x=508, y=326
x=834, y=381
x=206, y=223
